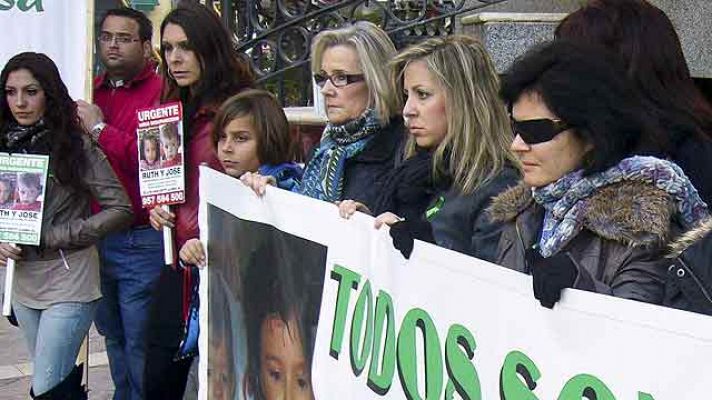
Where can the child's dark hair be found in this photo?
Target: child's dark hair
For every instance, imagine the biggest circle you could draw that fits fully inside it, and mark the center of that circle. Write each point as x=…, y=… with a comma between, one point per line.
x=275, y=144
x=151, y=137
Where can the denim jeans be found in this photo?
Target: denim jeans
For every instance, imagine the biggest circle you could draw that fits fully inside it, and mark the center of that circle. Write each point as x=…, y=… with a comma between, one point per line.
x=53, y=337
x=131, y=264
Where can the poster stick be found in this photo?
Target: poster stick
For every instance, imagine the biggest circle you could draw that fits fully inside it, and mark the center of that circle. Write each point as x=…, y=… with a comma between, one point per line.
x=9, y=278
x=167, y=240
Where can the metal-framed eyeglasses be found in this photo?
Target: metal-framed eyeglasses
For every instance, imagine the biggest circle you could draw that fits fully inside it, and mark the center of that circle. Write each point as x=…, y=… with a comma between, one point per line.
x=106, y=37
x=338, y=79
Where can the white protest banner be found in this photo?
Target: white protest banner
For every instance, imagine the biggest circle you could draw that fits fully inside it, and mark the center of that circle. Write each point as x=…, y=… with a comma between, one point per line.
x=440, y=325
x=62, y=29
x=160, y=154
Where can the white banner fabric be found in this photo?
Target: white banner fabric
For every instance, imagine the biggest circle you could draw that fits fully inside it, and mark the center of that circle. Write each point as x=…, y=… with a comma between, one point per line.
x=62, y=29
x=462, y=327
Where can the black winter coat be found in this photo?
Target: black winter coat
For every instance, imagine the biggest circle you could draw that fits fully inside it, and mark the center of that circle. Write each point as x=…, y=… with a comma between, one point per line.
x=689, y=283
x=365, y=172
x=463, y=224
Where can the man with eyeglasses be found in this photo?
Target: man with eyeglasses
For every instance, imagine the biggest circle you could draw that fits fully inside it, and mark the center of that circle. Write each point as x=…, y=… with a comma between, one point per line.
x=132, y=259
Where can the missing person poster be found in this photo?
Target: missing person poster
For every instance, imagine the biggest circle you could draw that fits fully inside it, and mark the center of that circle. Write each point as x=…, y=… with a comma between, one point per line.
x=160, y=154
x=440, y=325
x=23, y=179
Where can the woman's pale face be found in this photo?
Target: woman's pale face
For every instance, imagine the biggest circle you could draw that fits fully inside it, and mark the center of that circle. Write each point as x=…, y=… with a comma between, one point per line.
x=346, y=103
x=183, y=62
x=425, y=109
x=284, y=371
x=25, y=97
x=237, y=147
x=546, y=162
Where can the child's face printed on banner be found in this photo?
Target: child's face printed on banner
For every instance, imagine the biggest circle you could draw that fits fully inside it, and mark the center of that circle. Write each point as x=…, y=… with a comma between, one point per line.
x=170, y=147
x=425, y=111
x=237, y=147
x=25, y=97
x=183, y=62
x=27, y=194
x=284, y=371
x=222, y=376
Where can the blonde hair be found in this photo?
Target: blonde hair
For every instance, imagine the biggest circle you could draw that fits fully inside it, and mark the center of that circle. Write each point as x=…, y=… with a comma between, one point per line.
x=374, y=49
x=479, y=133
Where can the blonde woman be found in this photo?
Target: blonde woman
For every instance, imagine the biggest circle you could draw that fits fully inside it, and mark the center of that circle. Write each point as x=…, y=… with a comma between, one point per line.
x=457, y=154
x=362, y=139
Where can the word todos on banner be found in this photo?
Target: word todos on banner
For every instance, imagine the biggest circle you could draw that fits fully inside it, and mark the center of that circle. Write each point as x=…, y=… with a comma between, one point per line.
x=373, y=335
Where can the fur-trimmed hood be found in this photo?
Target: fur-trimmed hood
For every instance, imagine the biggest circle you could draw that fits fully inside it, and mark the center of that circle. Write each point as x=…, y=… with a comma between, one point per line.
x=690, y=237
x=632, y=213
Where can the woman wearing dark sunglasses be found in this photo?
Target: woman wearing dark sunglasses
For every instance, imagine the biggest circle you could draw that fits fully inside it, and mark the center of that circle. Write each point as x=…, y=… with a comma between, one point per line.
x=361, y=140
x=587, y=214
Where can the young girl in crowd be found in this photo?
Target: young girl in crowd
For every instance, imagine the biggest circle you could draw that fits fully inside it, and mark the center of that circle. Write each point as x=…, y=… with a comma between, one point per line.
x=56, y=289
x=150, y=152
x=251, y=134
x=457, y=155
x=201, y=69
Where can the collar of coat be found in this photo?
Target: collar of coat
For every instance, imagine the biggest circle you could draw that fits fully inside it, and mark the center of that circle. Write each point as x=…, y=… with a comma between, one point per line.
x=690, y=237
x=635, y=214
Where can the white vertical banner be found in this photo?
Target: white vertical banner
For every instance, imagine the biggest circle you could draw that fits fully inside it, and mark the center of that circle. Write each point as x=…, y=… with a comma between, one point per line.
x=62, y=29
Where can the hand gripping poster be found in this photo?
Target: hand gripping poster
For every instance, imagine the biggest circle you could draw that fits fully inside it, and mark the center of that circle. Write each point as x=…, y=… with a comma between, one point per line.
x=298, y=303
x=161, y=155
x=23, y=180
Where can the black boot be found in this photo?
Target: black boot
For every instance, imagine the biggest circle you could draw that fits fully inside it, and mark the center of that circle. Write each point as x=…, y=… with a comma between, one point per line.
x=70, y=388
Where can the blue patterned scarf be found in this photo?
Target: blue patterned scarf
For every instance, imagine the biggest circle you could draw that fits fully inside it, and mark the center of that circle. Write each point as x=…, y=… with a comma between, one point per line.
x=324, y=175
x=565, y=199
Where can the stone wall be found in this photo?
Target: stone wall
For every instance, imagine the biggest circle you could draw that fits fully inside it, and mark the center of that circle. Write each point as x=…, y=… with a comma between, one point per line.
x=509, y=37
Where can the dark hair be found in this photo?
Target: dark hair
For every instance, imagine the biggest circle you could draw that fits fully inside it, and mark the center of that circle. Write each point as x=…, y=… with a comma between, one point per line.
x=151, y=137
x=275, y=144
x=645, y=40
x=281, y=279
x=586, y=88
x=67, y=158
x=223, y=71
x=145, y=27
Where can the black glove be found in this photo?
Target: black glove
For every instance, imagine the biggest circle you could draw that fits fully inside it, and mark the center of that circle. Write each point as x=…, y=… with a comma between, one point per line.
x=550, y=276
x=404, y=232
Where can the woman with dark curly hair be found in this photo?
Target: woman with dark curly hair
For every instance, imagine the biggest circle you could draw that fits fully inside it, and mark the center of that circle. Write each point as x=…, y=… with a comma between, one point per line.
x=56, y=289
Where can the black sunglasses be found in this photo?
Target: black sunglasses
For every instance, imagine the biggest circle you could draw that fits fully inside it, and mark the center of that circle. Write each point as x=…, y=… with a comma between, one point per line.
x=533, y=131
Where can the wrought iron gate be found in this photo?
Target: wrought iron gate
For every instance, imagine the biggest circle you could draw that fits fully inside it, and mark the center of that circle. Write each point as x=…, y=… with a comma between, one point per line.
x=276, y=34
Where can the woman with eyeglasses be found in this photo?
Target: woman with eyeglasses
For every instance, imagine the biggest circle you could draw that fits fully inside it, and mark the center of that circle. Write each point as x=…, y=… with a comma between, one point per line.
x=360, y=143
x=587, y=213
x=457, y=155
